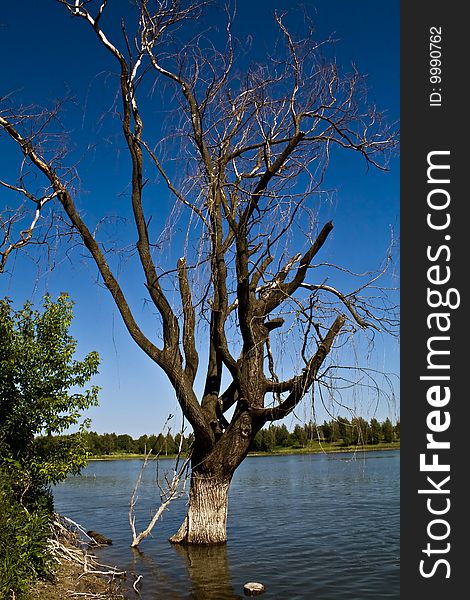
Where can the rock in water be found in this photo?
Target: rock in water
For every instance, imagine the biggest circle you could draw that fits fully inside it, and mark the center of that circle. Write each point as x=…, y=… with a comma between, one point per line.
x=98, y=539
x=253, y=589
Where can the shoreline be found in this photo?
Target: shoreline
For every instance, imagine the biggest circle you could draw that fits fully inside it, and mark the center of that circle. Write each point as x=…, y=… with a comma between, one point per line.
x=323, y=449
x=76, y=571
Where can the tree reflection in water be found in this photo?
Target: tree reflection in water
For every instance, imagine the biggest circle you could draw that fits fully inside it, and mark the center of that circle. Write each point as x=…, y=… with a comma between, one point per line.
x=155, y=580
x=207, y=568
x=208, y=571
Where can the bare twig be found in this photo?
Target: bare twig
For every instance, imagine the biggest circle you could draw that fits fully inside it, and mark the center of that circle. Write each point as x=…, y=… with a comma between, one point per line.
x=172, y=489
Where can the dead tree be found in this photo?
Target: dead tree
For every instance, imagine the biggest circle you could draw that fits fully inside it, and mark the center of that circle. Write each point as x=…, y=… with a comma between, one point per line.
x=172, y=486
x=253, y=146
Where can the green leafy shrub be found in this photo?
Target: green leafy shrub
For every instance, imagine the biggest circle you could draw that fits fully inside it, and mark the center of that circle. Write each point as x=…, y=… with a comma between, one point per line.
x=37, y=372
x=23, y=539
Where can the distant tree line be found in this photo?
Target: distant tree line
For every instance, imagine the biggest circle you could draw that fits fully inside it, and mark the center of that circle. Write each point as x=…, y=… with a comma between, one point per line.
x=111, y=443
x=340, y=431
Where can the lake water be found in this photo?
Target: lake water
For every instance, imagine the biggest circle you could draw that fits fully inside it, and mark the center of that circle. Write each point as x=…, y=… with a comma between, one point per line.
x=319, y=526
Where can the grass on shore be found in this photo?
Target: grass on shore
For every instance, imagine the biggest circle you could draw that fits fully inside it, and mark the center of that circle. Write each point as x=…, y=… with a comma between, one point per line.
x=314, y=447
x=317, y=447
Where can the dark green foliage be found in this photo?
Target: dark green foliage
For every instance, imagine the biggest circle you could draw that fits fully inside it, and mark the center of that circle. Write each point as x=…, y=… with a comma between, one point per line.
x=282, y=436
x=387, y=431
x=360, y=431
x=299, y=437
x=345, y=431
x=23, y=539
x=396, y=431
x=186, y=443
x=357, y=432
x=329, y=431
x=106, y=444
x=375, y=432
x=126, y=442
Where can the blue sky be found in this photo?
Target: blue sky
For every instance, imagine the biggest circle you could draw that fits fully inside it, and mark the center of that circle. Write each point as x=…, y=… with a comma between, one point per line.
x=47, y=55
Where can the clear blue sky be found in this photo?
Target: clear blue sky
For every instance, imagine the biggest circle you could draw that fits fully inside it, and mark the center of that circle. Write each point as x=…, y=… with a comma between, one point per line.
x=46, y=55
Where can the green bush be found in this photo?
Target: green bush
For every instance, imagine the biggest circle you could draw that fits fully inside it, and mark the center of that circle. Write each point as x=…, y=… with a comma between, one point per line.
x=38, y=369
x=23, y=539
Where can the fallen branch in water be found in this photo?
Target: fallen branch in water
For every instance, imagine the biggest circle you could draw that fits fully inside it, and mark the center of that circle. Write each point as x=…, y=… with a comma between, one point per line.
x=171, y=489
x=65, y=545
x=134, y=585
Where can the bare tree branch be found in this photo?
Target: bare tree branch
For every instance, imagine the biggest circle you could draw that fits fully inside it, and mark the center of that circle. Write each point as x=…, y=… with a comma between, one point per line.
x=242, y=154
x=300, y=384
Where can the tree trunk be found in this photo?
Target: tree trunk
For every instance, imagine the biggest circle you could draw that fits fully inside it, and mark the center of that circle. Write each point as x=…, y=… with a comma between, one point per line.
x=213, y=468
x=206, y=521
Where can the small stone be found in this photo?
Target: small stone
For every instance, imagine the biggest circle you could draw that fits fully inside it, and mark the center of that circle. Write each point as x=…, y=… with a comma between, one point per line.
x=253, y=589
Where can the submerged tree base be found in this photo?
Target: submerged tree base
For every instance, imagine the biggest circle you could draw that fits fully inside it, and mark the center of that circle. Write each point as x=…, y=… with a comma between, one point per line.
x=205, y=523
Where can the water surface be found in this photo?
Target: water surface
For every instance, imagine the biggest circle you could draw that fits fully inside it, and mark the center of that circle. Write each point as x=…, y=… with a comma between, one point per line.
x=319, y=526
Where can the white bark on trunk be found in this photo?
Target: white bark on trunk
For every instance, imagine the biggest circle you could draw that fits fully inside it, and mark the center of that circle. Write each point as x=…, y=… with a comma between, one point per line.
x=206, y=521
